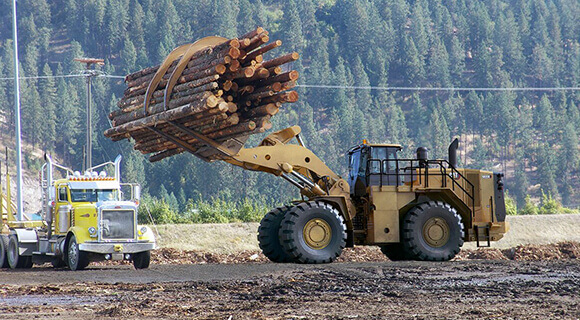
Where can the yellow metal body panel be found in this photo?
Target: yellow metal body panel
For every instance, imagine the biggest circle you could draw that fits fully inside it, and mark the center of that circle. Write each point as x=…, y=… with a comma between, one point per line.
x=383, y=223
x=82, y=215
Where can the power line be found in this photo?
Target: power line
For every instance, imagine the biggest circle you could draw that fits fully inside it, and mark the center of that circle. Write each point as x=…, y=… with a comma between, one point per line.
x=436, y=88
x=64, y=76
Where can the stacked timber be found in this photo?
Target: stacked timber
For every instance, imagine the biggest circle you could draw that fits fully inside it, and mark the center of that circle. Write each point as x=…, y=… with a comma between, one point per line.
x=225, y=91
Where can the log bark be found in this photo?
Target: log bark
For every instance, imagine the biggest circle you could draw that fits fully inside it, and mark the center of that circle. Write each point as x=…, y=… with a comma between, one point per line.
x=173, y=114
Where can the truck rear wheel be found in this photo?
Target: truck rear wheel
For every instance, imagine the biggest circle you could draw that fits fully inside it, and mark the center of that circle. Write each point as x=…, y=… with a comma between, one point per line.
x=313, y=232
x=268, y=235
x=432, y=231
x=4, y=252
x=76, y=258
x=141, y=260
x=15, y=260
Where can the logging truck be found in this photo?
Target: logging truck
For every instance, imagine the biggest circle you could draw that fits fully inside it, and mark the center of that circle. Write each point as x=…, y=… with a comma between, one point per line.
x=84, y=218
x=208, y=97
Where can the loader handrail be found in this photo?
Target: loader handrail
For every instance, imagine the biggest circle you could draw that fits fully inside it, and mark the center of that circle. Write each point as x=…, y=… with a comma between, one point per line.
x=423, y=167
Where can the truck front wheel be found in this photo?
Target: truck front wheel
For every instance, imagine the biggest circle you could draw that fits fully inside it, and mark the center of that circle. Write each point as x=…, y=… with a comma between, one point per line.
x=76, y=258
x=141, y=260
x=313, y=232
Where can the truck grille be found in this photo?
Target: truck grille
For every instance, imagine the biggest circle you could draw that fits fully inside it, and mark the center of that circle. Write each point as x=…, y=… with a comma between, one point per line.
x=117, y=224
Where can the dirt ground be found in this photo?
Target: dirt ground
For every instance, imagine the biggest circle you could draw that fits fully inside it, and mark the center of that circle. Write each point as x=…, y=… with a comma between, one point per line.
x=525, y=282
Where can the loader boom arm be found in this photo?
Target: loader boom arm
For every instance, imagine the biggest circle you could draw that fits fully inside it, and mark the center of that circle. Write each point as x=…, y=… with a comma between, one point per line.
x=293, y=162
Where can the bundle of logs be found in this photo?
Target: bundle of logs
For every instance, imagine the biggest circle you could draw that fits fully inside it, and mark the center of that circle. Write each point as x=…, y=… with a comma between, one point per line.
x=225, y=91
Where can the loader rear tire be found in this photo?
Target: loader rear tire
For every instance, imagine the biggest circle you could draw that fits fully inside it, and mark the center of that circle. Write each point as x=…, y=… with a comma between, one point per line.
x=395, y=251
x=313, y=232
x=432, y=231
x=76, y=258
x=268, y=235
x=141, y=260
x=15, y=260
x=4, y=252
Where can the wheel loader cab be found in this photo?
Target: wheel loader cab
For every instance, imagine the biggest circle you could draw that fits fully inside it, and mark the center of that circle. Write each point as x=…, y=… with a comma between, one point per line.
x=372, y=165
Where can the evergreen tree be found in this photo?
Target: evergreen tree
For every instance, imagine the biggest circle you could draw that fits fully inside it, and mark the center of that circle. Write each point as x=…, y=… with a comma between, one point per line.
x=544, y=118
x=49, y=96
x=547, y=170
x=569, y=162
x=438, y=68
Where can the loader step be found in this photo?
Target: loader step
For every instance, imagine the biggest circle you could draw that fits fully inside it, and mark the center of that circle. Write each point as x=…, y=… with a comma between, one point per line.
x=482, y=237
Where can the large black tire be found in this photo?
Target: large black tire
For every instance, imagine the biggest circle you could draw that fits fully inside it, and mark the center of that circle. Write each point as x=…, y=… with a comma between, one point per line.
x=268, y=235
x=76, y=258
x=313, y=232
x=4, y=252
x=57, y=262
x=432, y=231
x=141, y=260
x=394, y=251
x=15, y=260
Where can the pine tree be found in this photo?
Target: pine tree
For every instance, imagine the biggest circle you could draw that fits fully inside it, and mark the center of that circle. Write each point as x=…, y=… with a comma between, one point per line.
x=438, y=68
x=546, y=163
x=49, y=97
x=544, y=118
x=291, y=27
x=519, y=187
x=129, y=56
x=569, y=162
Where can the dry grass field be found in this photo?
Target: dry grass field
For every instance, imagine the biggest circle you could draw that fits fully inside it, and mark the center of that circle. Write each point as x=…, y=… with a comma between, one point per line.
x=237, y=237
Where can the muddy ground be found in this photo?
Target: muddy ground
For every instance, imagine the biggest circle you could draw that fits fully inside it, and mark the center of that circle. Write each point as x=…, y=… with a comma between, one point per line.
x=526, y=282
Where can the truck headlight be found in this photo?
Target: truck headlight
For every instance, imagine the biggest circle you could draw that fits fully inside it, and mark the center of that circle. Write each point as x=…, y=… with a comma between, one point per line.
x=92, y=231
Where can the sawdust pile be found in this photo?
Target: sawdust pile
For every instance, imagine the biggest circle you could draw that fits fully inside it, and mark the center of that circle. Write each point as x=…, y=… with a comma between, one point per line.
x=559, y=251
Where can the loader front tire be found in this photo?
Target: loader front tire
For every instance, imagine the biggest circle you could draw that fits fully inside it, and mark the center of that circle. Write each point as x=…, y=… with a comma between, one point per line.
x=268, y=238
x=432, y=231
x=313, y=232
x=76, y=258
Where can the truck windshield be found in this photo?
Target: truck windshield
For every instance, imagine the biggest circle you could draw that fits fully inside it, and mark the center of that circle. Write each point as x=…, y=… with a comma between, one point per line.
x=94, y=195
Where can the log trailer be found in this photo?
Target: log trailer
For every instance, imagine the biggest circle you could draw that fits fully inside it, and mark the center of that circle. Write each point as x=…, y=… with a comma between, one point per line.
x=83, y=219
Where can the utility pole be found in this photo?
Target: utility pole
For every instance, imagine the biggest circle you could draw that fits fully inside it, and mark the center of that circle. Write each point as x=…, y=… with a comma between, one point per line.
x=89, y=73
x=17, y=118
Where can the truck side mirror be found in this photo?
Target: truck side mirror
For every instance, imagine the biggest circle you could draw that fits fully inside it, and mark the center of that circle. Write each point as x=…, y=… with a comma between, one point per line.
x=137, y=192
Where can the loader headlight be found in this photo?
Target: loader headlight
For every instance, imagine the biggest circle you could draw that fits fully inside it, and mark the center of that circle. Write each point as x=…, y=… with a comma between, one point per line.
x=92, y=231
x=143, y=230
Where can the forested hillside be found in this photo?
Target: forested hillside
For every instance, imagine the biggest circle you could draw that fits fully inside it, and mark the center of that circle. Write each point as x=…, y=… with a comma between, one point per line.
x=372, y=45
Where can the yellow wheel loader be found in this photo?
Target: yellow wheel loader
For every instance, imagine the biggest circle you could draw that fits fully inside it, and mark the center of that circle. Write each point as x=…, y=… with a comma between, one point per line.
x=413, y=209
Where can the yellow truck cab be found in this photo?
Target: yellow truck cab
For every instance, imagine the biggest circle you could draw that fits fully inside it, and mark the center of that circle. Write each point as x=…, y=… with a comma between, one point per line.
x=84, y=218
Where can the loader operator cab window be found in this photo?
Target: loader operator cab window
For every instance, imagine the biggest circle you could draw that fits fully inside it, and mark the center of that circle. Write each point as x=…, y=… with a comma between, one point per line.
x=383, y=166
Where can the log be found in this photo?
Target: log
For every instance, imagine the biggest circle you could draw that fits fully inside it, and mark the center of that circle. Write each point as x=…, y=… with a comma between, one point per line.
x=283, y=97
x=260, y=51
x=263, y=110
x=169, y=115
x=281, y=60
